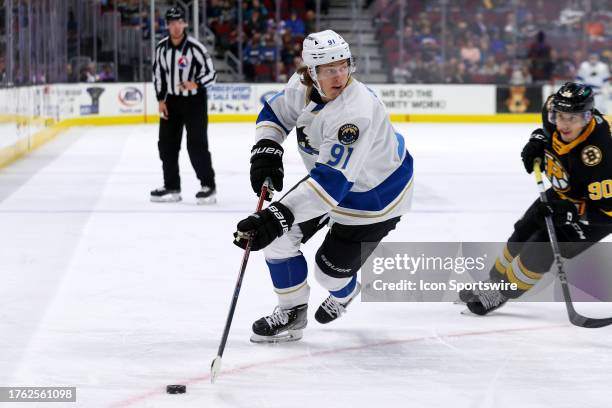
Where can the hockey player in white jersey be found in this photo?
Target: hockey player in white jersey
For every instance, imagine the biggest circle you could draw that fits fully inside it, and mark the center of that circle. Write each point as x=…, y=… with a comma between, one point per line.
x=359, y=183
x=596, y=74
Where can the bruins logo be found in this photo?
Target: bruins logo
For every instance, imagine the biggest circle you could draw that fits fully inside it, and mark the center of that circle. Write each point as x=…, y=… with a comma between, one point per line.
x=591, y=155
x=556, y=173
x=348, y=134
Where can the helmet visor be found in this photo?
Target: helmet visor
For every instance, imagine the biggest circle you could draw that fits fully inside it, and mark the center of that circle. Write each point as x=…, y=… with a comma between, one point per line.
x=571, y=118
x=331, y=71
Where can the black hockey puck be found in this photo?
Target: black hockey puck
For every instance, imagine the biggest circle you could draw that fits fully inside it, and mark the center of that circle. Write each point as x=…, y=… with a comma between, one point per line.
x=176, y=389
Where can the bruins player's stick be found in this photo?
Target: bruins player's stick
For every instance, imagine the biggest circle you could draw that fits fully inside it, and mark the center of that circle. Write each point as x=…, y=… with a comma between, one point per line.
x=574, y=317
x=215, y=367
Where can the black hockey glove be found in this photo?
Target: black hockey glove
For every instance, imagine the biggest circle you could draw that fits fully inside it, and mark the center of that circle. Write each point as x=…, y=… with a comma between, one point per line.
x=264, y=226
x=564, y=216
x=534, y=149
x=266, y=161
x=562, y=212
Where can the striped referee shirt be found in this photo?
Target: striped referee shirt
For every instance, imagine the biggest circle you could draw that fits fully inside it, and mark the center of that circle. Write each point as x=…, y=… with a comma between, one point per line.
x=189, y=61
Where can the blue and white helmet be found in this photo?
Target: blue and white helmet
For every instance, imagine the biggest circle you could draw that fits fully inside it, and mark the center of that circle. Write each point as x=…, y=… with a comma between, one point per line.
x=323, y=48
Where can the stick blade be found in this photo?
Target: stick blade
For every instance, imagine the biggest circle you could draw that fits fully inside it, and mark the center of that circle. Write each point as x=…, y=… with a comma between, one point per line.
x=215, y=369
x=589, y=323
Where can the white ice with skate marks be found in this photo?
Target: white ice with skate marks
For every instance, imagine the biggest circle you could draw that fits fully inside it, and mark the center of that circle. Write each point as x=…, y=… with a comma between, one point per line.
x=119, y=297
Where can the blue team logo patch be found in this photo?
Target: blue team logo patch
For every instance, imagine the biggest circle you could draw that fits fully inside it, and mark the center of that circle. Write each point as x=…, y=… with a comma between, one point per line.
x=182, y=61
x=348, y=134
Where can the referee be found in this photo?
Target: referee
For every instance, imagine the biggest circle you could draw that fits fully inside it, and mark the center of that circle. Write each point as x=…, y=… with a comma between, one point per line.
x=182, y=71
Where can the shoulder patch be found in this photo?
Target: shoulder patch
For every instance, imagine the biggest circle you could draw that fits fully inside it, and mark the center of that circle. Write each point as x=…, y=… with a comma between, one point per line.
x=348, y=134
x=591, y=155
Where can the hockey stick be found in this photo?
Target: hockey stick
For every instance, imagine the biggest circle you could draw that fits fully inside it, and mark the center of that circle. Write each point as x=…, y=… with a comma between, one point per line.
x=215, y=367
x=574, y=317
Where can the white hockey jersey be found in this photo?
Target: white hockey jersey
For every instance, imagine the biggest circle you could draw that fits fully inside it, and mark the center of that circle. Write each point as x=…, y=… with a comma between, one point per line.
x=597, y=76
x=594, y=75
x=359, y=169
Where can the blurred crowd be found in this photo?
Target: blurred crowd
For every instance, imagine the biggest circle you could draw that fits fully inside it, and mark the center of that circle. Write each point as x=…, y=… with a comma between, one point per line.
x=264, y=58
x=434, y=41
x=492, y=41
x=258, y=49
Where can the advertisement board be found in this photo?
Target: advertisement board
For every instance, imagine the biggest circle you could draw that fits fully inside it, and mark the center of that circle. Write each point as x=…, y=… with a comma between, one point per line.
x=519, y=99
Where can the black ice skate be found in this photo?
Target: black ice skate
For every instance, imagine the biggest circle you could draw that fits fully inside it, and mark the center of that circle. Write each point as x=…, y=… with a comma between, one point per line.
x=206, y=195
x=331, y=309
x=164, y=195
x=485, y=301
x=281, y=326
x=465, y=296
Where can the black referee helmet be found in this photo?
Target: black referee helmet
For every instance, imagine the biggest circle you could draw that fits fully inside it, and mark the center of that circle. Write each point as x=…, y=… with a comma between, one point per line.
x=175, y=13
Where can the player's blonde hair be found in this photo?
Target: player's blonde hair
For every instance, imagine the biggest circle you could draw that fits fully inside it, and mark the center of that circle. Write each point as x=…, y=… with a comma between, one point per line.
x=305, y=77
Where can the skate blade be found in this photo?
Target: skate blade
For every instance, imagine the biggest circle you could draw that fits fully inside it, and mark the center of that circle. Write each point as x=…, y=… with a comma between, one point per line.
x=207, y=201
x=171, y=198
x=290, y=335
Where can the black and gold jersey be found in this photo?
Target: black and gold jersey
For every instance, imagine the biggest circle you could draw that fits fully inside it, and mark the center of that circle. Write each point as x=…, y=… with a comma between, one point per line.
x=581, y=171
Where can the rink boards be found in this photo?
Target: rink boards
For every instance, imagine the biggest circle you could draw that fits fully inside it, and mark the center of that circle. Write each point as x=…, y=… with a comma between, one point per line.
x=31, y=115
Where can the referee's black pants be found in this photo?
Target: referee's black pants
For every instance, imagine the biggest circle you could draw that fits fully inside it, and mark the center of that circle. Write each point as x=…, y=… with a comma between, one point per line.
x=191, y=112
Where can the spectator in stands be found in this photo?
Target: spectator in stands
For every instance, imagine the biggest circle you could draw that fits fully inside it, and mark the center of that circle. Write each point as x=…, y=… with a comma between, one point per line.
x=268, y=50
x=72, y=24
x=401, y=73
x=312, y=5
x=489, y=68
x=511, y=51
x=460, y=31
x=2, y=70
x=510, y=28
x=87, y=73
x=540, y=13
x=521, y=10
x=470, y=53
x=297, y=63
x=280, y=74
x=160, y=23
x=426, y=38
x=255, y=6
x=290, y=49
x=214, y=10
x=273, y=27
x=457, y=72
x=498, y=46
x=485, y=49
x=295, y=25
x=528, y=28
x=538, y=54
x=564, y=67
x=410, y=42
x=571, y=16
x=256, y=23
x=479, y=27
x=520, y=75
x=108, y=6
x=450, y=69
x=107, y=74
x=504, y=72
x=252, y=57
x=310, y=22
x=418, y=69
x=129, y=14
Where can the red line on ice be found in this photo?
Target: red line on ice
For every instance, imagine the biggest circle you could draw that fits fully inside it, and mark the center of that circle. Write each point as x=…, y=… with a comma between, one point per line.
x=161, y=390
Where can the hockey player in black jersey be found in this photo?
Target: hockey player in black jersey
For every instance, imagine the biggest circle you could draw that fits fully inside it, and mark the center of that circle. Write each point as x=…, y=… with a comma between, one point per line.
x=575, y=148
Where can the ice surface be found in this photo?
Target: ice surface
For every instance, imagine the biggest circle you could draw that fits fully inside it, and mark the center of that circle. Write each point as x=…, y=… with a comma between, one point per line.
x=115, y=295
